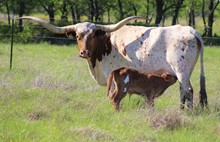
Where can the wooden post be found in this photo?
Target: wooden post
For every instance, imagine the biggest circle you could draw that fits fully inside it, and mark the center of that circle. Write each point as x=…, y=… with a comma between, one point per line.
x=12, y=36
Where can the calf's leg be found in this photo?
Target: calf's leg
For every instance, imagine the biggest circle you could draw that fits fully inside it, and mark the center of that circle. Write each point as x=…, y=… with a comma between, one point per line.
x=117, y=99
x=149, y=101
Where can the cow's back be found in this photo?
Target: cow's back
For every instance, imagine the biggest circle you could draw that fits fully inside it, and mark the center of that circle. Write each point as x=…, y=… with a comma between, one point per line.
x=155, y=48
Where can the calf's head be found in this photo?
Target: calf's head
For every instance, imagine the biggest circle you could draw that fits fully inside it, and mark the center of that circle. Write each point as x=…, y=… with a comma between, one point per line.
x=170, y=79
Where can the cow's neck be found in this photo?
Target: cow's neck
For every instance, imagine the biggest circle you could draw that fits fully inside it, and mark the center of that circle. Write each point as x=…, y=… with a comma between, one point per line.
x=102, y=68
x=102, y=47
x=97, y=73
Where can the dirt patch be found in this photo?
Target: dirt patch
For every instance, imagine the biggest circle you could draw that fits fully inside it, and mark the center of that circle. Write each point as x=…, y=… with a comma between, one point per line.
x=36, y=115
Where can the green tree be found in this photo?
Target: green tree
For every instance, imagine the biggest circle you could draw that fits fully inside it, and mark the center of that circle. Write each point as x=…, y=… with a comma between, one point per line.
x=121, y=13
x=109, y=5
x=162, y=6
x=74, y=6
x=177, y=6
x=64, y=11
x=191, y=6
x=50, y=6
x=5, y=3
x=211, y=9
x=22, y=7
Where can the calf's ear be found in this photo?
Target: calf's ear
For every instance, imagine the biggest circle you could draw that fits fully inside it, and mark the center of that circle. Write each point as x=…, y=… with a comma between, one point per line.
x=166, y=76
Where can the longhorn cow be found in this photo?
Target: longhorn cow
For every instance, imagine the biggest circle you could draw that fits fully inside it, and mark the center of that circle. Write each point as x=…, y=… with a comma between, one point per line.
x=173, y=49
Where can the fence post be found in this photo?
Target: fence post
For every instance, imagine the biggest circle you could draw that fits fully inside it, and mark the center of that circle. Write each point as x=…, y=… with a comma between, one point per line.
x=12, y=35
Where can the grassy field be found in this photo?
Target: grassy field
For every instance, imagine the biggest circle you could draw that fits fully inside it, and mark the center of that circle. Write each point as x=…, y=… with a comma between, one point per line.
x=49, y=96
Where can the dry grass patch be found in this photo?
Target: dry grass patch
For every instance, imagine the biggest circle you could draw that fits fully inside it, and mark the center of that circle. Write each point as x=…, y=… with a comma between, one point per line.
x=217, y=129
x=146, y=139
x=48, y=82
x=39, y=112
x=34, y=116
x=214, y=103
x=170, y=119
x=94, y=134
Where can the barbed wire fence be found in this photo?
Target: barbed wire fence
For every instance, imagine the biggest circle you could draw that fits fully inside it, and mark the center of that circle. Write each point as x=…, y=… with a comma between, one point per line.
x=38, y=37
x=55, y=38
x=62, y=37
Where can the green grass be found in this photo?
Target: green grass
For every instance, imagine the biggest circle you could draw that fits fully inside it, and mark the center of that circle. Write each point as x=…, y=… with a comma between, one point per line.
x=49, y=95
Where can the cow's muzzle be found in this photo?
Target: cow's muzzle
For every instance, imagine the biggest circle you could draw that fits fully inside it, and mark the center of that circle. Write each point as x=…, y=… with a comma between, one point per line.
x=84, y=54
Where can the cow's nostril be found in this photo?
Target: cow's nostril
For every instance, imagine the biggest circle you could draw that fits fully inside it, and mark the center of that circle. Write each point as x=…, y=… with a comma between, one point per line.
x=82, y=52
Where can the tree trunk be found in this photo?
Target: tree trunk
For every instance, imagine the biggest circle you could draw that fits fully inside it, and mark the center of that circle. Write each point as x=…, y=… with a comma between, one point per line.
x=192, y=14
x=147, y=12
x=212, y=8
x=96, y=11
x=108, y=11
x=176, y=11
x=64, y=12
x=21, y=5
x=135, y=11
x=203, y=18
x=91, y=10
x=121, y=14
x=163, y=20
x=74, y=10
x=50, y=11
x=159, y=10
x=210, y=18
x=8, y=12
x=192, y=18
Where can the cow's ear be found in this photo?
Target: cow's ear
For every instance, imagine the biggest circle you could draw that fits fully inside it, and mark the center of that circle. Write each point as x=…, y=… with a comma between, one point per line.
x=99, y=32
x=71, y=34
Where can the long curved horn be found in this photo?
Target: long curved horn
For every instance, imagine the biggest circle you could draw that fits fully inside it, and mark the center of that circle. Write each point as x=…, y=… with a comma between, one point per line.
x=51, y=28
x=114, y=27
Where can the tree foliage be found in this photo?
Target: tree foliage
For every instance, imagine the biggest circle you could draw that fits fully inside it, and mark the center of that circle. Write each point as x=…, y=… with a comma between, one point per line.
x=109, y=10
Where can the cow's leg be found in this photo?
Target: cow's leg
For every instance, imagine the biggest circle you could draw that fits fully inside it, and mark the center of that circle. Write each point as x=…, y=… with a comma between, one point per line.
x=182, y=98
x=186, y=93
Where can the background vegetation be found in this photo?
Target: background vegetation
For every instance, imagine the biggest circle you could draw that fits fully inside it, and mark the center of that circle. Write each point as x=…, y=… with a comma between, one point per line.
x=50, y=96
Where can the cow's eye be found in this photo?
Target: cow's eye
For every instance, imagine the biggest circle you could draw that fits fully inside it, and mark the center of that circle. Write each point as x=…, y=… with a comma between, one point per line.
x=79, y=37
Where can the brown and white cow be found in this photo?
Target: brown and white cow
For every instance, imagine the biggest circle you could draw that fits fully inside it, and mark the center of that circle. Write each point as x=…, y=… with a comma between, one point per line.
x=173, y=49
x=126, y=80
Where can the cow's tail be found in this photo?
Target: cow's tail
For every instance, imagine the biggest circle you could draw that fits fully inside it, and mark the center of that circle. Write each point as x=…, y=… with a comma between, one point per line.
x=203, y=95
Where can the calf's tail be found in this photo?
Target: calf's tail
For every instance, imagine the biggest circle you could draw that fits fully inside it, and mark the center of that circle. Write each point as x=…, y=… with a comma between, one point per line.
x=109, y=83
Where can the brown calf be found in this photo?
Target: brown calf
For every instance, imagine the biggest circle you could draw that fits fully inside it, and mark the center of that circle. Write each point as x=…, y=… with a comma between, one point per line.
x=126, y=80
